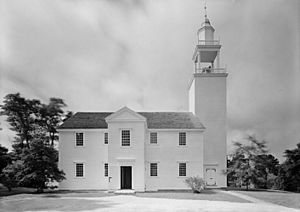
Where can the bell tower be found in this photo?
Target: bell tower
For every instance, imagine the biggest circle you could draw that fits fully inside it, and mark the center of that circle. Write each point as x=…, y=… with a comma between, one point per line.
x=207, y=100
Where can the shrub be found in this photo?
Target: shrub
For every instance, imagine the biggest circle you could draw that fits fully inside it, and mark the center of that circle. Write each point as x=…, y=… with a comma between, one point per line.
x=197, y=184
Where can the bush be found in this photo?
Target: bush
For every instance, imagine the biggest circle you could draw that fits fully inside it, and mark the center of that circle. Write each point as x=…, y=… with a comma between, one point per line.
x=197, y=184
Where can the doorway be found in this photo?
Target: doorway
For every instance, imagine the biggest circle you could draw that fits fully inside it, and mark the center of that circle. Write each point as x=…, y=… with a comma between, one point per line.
x=211, y=177
x=126, y=177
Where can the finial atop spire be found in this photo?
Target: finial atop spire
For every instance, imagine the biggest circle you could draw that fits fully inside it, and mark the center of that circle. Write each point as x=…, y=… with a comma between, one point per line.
x=205, y=9
x=206, y=20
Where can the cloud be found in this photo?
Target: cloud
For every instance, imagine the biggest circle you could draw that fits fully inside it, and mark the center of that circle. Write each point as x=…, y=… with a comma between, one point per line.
x=102, y=55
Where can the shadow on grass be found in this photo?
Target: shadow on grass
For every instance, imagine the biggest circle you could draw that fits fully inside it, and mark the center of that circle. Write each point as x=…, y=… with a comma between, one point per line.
x=37, y=204
x=253, y=190
x=207, y=194
x=53, y=193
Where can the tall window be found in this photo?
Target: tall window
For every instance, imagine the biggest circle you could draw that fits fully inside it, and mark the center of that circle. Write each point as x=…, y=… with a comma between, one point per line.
x=182, y=169
x=125, y=137
x=153, y=138
x=79, y=139
x=106, y=138
x=106, y=170
x=153, y=169
x=79, y=170
x=182, y=139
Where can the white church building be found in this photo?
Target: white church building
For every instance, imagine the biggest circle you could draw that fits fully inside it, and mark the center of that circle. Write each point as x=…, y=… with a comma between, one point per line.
x=150, y=151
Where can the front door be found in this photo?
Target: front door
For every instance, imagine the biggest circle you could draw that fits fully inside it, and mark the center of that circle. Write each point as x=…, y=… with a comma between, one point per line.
x=126, y=177
x=211, y=176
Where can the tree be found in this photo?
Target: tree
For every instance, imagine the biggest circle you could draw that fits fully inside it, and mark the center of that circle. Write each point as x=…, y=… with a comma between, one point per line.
x=34, y=158
x=25, y=115
x=39, y=166
x=5, y=158
x=289, y=172
x=51, y=115
x=266, y=169
x=21, y=115
x=242, y=165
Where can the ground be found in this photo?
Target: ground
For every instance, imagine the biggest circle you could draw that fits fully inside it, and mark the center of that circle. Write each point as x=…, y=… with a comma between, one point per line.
x=210, y=200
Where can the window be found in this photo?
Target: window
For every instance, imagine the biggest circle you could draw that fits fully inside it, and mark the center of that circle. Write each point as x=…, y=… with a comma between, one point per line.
x=153, y=138
x=182, y=139
x=106, y=170
x=79, y=169
x=153, y=169
x=79, y=139
x=125, y=137
x=105, y=138
x=182, y=169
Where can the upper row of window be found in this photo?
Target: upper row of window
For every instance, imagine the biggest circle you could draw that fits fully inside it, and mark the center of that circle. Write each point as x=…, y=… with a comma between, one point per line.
x=125, y=138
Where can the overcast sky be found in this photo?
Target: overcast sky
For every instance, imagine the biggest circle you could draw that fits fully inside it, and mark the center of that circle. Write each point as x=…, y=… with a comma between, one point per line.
x=103, y=55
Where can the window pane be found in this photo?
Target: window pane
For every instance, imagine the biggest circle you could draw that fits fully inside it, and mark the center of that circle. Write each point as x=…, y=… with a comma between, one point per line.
x=79, y=169
x=153, y=138
x=105, y=138
x=125, y=137
x=182, y=169
x=182, y=138
x=106, y=169
x=79, y=139
x=153, y=169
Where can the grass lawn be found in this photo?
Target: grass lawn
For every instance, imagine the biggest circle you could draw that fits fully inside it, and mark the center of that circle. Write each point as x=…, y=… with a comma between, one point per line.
x=209, y=200
x=209, y=194
x=288, y=199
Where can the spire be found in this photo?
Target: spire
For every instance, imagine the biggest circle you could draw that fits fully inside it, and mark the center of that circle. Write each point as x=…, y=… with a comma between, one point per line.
x=206, y=20
x=205, y=16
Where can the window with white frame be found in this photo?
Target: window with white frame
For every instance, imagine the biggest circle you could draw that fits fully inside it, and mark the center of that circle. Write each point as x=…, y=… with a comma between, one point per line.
x=79, y=170
x=182, y=139
x=153, y=138
x=106, y=170
x=125, y=136
x=79, y=139
x=182, y=169
x=153, y=169
x=106, y=138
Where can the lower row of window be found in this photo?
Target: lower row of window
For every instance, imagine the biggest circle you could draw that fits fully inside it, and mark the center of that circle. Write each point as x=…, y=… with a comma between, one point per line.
x=153, y=169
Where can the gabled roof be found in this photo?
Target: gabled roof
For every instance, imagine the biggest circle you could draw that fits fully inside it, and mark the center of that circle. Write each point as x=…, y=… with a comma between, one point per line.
x=155, y=120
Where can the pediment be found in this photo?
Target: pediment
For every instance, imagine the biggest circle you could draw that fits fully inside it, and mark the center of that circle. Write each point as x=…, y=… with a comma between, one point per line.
x=125, y=114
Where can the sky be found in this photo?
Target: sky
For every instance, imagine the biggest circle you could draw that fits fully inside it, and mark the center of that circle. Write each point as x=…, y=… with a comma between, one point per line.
x=106, y=54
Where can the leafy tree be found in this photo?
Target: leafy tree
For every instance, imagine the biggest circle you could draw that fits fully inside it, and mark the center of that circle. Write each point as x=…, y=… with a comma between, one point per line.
x=51, y=115
x=242, y=165
x=289, y=172
x=5, y=158
x=21, y=115
x=266, y=169
x=11, y=174
x=39, y=165
x=34, y=158
x=25, y=115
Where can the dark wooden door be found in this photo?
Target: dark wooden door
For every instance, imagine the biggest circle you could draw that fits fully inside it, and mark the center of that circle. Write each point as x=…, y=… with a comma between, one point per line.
x=126, y=177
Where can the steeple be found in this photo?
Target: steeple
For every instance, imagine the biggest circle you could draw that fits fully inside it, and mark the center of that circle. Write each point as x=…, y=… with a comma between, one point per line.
x=207, y=52
x=206, y=32
x=207, y=100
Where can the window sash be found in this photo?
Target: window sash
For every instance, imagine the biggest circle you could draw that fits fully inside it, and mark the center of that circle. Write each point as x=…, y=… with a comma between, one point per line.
x=79, y=170
x=105, y=138
x=106, y=170
x=79, y=139
x=182, y=139
x=153, y=138
x=125, y=137
x=182, y=169
x=153, y=169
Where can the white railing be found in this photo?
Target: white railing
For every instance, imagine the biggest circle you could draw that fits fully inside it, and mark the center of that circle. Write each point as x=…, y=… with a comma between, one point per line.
x=208, y=42
x=210, y=70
